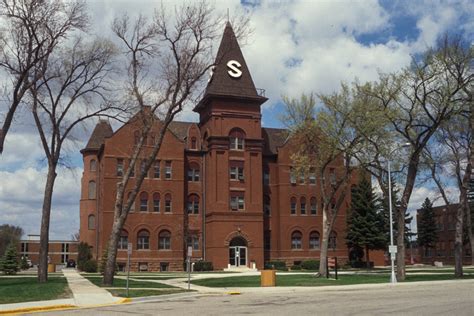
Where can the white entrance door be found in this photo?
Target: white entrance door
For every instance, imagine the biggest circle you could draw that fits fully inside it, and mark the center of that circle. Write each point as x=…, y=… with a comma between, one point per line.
x=238, y=256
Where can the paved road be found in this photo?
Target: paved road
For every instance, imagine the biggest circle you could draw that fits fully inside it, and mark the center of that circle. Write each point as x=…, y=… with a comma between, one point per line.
x=435, y=298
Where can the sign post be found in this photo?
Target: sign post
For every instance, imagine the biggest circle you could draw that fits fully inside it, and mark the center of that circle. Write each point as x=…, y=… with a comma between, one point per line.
x=129, y=253
x=189, y=255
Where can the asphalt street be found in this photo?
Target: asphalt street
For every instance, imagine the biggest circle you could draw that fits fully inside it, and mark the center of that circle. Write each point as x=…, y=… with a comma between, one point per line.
x=433, y=298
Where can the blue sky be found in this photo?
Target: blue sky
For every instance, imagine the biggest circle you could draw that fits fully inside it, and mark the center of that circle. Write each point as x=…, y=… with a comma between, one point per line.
x=296, y=46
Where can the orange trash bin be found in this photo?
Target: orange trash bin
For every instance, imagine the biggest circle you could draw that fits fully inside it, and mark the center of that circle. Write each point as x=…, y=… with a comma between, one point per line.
x=268, y=278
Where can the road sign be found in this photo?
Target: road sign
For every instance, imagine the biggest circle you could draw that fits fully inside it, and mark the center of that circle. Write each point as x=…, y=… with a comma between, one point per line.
x=393, y=256
x=392, y=249
x=129, y=248
x=190, y=251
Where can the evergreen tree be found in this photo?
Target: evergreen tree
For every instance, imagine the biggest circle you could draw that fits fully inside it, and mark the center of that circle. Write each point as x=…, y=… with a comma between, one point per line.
x=427, y=232
x=363, y=227
x=9, y=264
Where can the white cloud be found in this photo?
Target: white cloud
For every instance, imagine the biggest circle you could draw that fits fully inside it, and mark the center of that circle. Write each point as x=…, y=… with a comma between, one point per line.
x=21, y=200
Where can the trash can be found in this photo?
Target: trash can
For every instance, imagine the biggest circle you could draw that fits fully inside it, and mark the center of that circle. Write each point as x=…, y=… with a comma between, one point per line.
x=51, y=267
x=268, y=278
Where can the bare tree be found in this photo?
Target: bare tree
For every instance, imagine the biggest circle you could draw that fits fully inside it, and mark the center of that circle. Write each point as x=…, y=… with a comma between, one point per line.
x=449, y=159
x=32, y=31
x=167, y=59
x=70, y=91
x=328, y=142
x=417, y=101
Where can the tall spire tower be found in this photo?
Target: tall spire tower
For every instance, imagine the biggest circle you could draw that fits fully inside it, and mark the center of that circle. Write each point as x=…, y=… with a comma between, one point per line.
x=230, y=122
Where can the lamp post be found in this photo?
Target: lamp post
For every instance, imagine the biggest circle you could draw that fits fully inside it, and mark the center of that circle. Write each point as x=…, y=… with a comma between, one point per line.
x=391, y=249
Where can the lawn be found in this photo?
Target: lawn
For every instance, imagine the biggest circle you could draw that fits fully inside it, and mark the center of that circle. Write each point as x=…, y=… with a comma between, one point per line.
x=18, y=289
x=97, y=280
x=309, y=280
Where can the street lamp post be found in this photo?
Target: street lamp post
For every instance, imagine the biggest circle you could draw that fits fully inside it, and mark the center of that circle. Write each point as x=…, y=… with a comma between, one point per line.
x=391, y=249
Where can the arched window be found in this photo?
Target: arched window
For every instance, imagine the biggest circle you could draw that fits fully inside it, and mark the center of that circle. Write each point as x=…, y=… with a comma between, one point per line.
x=143, y=239
x=144, y=202
x=314, y=240
x=93, y=165
x=332, y=242
x=156, y=202
x=193, y=204
x=236, y=137
x=164, y=240
x=132, y=207
x=91, y=190
x=91, y=222
x=123, y=240
x=266, y=205
x=312, y=175
x=293, y=205
x=193, y=172
x=303, y=206
x=168, y=203
x=296, y=240
x=193, y=143
x=314, y=206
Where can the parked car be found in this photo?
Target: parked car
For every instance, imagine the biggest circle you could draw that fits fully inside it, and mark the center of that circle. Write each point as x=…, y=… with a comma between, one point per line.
x=71, y=263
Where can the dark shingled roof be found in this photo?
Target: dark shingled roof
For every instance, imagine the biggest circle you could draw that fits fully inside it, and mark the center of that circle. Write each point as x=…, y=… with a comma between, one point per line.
x=222, y=84
x=101, y=131
x=274, y=138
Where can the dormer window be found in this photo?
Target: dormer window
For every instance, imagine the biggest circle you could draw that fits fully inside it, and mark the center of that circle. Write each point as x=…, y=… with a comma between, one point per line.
x=193, y=143
x=236, y=138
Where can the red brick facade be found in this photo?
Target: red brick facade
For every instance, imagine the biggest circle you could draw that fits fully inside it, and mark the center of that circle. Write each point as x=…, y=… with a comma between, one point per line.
x=228, y=186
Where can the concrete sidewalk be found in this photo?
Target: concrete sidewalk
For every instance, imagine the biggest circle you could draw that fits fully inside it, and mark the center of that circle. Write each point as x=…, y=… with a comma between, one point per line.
x=85, y=293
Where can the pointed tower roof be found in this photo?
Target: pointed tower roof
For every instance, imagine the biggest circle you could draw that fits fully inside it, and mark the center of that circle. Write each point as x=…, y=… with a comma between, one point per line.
x=231, y=76
x=101, y=131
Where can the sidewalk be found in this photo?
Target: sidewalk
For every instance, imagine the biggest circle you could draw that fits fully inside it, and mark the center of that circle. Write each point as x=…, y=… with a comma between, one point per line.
x=85, y=293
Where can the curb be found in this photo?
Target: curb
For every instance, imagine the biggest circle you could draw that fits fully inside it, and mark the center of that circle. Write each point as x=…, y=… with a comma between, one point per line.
x=23, y=310
x=36, y=309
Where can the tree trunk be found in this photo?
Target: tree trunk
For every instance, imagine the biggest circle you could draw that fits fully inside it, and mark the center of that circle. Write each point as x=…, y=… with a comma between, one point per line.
x=324, y=244
x=112, y=253
x=367, y=259
x=45, y=219
x=458, y=242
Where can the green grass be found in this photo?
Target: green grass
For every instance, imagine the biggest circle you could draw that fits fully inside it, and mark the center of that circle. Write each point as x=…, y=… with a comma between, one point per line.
x=97, y=280
x=141, y=293
x=309, y=280
x=21, y=289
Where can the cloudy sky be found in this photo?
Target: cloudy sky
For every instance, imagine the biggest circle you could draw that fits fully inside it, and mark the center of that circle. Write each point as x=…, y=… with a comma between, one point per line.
x=296, y=46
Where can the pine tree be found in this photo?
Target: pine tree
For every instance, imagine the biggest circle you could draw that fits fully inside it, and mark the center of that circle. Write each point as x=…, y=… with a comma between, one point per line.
x=427, y=232
x=363, y=227
x=10, y=260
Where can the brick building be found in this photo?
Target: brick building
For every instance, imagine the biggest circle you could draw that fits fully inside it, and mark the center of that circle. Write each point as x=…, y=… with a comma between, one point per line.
x=60, y=251
x=445, y=218
x=226, y=183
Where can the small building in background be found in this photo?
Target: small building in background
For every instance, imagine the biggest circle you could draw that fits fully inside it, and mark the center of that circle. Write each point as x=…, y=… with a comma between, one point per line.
x=445, y=218
x=60, y=251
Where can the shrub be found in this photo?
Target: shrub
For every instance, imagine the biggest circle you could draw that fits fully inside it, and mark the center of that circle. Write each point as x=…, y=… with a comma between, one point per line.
x=310, y=265
x=24, y=263
x=361, y=264
x=277, y=265
x=90, y=266
x=295, y=267
x=203, y=266
x=84, y=254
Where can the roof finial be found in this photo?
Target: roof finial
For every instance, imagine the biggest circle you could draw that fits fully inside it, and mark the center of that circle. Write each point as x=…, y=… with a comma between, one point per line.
x=228, y=19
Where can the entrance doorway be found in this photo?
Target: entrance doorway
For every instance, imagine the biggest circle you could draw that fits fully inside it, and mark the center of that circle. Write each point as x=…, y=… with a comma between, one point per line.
x=238, y=252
